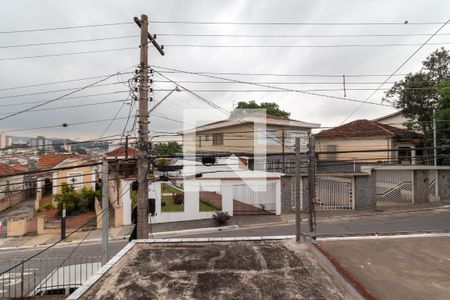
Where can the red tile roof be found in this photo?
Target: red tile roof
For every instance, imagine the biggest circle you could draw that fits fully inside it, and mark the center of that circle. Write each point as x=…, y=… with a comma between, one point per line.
x=7, y=170
x=49, y=160
x=120, y=152
x=20, y=168
x=361, y=128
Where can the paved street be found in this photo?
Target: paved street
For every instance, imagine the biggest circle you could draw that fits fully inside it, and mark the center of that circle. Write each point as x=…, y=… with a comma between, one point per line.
x=434, y=220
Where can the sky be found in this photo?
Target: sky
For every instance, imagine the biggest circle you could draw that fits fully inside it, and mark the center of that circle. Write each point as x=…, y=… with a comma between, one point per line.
x=97, y=105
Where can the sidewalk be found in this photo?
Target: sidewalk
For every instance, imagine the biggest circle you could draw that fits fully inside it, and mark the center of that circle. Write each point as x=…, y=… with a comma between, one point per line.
x=399, y=267
x=384, y=211
x=237, y=221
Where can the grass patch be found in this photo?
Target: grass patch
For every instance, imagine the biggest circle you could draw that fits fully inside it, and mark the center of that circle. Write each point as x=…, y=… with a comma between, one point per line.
x=207, y=207
x=167, y=188
x=170, y=206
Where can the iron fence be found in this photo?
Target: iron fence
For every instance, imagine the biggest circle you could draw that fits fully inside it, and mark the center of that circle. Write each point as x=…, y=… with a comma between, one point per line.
x=45, y=276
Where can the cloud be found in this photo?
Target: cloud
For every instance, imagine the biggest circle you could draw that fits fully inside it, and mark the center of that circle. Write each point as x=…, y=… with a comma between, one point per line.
x=357, y=60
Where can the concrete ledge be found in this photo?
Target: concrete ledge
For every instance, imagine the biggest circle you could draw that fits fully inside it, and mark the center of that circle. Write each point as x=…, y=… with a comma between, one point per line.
x=85, y=286
x=355, y=289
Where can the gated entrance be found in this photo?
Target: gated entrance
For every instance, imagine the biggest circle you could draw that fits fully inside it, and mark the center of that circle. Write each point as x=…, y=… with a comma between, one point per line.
x=394, y=187
x=334, y=193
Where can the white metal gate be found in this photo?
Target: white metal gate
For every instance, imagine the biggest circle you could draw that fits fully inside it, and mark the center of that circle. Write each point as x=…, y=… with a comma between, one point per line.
x=334, y=193
x=394, y=187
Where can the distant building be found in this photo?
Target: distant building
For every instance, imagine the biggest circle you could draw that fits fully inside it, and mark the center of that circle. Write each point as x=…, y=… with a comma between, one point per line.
x=40, y=143
x=5, y=141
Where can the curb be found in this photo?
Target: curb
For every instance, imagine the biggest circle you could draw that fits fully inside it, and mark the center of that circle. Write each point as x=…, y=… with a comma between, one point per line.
x=125, y=237
x=374, y=214
x=350, y=283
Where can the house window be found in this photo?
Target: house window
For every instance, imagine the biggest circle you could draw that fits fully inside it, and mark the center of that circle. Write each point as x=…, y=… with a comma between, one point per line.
x=218, y=139
x=206, y=137
x=75, y=179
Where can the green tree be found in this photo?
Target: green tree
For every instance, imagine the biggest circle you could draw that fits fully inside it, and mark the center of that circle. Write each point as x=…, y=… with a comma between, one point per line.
x=76, y=202
x=443, y=119
x=271, y=108
x=416, y=94
x=167, y=148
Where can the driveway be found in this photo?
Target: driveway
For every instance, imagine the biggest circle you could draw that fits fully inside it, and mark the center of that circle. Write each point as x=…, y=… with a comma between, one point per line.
x=22, y=209
x=396, y=267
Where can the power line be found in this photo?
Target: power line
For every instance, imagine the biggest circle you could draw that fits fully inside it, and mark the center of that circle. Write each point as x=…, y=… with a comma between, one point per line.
x=271, y=86
x=67, y=53
x=211, y=35
x=288, y=91
x=65, y=27
x=297, y=36
x=75, y=106
x=398, y=68
x=401, y=23
x=66, y=98
x=58, y=82
x=58, y=90
x=277, y=82
x=51, y=169
x=63, y=125
x=70, y=41
x=302, y=46
x=52, y=100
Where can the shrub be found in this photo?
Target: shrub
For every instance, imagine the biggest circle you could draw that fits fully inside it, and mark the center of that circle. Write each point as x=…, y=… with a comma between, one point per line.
x=48, y=206
x=87, y=199
x=163, y=203
x=76, y=202
x=221, y=218
x=178, y=198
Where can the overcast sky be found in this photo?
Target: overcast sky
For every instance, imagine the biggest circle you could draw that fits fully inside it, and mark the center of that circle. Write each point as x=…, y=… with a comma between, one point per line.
x=19, y=15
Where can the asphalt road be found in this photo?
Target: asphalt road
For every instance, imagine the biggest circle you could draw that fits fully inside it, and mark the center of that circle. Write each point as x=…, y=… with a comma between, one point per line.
x=435, y=220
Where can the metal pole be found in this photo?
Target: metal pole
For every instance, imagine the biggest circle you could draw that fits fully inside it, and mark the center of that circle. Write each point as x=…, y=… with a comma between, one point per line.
x=142, y=195
x=311, y=184
x=105, y=212
x=298, y=219
x=63, y=222
x=282, y=149
x=434, y=137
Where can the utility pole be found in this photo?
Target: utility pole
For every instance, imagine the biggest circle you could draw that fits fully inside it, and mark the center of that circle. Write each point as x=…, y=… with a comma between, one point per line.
x=126, y=147
x=143, y=163
x=105, y=212
x=298, y=228
x=434, y=138
x=63, y=221
x=282, y=149
x=312, y=185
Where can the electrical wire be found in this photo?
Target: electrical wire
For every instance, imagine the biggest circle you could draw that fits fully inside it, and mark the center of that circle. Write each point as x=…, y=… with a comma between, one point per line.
x=66, y=54
x=398, y=68
x=65, y=27
x=52, y=100
x=270, y=86
x=284, y=23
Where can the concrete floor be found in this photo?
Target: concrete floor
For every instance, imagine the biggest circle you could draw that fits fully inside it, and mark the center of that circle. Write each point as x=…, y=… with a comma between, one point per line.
x=400, y=268
x=216, y=270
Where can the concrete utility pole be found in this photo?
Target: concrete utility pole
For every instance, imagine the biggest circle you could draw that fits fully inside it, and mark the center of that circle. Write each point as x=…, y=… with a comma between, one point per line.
x=105, y=212
x=312, y=185
x=143, y=164
x=298, y=218
x=434, y=137
x=282, y=150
